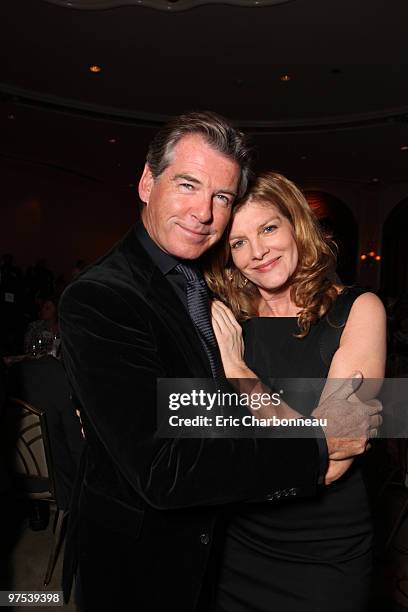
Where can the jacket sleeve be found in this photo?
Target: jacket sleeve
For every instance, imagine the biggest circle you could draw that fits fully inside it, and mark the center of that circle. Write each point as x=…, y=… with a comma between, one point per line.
x=112, y=363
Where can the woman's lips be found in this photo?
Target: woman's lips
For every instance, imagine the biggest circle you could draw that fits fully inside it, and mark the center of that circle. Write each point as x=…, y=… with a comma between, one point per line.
x=267, y=265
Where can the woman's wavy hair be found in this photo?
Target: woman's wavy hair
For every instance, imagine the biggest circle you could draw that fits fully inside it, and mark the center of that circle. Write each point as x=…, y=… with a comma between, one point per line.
x=312, y=284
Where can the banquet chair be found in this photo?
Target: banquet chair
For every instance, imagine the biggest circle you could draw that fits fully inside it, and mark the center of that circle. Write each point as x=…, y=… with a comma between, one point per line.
x=30, y=461
x=399, y=481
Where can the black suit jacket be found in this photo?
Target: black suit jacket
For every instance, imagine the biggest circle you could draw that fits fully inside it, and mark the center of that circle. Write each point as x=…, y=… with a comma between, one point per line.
x=147, y=507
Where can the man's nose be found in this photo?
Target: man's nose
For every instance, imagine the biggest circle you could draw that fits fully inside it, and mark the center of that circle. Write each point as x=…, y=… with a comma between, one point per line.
x=203, y=209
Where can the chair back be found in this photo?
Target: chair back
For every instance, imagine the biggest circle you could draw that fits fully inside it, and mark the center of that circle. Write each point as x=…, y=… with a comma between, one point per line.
x=29, y=455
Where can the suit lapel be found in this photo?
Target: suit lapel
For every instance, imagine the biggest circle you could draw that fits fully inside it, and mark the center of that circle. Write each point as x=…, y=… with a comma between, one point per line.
x=165, y=303
x=178, y=322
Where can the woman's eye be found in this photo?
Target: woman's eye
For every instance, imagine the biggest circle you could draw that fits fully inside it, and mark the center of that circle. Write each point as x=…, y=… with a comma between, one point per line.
x=237, y=244
x=269, y=228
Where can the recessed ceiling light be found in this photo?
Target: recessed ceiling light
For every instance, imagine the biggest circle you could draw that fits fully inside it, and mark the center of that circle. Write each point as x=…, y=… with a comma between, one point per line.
x=303, y=157
x=375, y=180
x=112, y=140
x=404, y=148
x=95, y=68
x=11, y=116
x=285, y=78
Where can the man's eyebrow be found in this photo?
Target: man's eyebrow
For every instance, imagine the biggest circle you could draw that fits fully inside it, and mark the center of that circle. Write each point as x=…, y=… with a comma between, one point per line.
x=192, y=179
x=186, y=177
x=228, y=191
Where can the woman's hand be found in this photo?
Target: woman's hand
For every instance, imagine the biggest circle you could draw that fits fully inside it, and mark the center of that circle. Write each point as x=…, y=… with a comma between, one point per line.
x=228, y=333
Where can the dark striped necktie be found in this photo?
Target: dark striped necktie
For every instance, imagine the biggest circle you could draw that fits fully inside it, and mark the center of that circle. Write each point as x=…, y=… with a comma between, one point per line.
x=198, y=308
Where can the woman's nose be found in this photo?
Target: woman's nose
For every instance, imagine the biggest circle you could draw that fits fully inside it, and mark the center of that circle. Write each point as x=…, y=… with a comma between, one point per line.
x=259, y=249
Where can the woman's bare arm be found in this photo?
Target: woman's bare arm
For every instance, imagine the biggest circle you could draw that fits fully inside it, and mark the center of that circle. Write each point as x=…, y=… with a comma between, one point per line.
x=362, y=347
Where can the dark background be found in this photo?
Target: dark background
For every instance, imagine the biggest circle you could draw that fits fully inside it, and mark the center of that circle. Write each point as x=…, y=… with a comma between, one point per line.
x=72, y=142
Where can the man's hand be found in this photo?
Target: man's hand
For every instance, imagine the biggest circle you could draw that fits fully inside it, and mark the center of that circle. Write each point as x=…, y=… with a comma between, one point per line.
x=349, y=423
x=336, y=470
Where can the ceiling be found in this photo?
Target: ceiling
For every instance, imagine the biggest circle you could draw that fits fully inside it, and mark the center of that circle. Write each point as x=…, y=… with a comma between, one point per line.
x=343, y=113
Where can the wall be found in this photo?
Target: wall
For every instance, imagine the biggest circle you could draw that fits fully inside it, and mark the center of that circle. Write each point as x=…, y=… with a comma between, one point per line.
x=371, y=205
x=48, y=213
x=63, y=217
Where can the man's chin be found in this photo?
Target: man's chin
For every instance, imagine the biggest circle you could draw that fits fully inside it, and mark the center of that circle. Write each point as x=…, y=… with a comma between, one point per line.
x=191, y=251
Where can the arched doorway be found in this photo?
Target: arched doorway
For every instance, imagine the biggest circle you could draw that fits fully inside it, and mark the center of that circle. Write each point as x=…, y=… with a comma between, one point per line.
x=338, y=222
x=394, y=269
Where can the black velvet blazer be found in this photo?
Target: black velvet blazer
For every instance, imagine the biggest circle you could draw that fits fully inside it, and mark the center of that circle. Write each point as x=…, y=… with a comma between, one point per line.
x=145, y=508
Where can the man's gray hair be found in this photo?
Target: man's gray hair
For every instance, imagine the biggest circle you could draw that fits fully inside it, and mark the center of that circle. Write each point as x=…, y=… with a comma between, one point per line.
x=217, y=132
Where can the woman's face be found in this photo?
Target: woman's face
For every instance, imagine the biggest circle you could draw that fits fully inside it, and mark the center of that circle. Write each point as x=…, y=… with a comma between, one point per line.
x=48, y=311
x=263, y=246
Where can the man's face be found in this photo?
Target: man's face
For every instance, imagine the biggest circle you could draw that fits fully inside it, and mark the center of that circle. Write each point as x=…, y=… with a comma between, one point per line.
x=188, y=206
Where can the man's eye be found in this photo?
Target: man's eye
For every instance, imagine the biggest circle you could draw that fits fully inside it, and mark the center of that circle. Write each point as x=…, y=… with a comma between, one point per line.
x=237, y=244
x=223, y=198
x=187, y=186
x=269, y=228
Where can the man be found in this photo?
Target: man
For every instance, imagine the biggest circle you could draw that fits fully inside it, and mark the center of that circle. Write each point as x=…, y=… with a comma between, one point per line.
x=147, y=507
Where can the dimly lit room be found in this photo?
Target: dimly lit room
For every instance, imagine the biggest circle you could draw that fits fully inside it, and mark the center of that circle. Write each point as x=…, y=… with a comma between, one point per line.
x=203, y=190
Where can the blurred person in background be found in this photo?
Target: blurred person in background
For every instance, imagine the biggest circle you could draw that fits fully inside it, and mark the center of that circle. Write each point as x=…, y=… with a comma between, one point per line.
x=42, y=336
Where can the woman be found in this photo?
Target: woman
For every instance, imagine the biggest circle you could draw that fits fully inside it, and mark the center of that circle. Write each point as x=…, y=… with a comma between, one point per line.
x=42, y=336
x=275, y=275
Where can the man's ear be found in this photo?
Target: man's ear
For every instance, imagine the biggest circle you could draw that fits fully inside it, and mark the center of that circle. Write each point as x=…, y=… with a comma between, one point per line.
x=145, y=184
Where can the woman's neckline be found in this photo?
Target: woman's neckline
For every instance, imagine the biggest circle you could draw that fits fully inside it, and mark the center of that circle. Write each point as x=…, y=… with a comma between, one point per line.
x=340, y=291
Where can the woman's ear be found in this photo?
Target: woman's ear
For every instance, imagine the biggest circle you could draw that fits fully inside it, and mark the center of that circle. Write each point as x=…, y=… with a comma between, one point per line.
x=145, y=184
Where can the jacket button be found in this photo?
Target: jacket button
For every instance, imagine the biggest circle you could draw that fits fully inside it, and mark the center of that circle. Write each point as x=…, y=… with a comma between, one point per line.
x=204, y=538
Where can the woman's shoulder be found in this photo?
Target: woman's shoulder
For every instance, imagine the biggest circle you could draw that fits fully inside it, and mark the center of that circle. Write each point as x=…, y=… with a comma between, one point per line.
x=354, y=312
x=367, y=305
x=352, y=301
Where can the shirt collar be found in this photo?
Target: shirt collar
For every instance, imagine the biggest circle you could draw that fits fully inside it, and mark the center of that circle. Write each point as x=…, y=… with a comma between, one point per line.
x=165, y=262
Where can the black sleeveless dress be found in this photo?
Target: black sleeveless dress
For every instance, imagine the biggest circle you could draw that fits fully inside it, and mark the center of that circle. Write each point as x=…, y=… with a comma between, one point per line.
x=309, y=555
